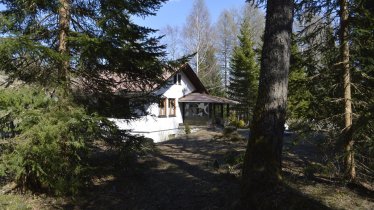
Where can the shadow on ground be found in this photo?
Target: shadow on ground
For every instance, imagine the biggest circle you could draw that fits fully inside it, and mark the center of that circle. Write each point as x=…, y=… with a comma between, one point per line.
x=182, y=175
x=179, y=176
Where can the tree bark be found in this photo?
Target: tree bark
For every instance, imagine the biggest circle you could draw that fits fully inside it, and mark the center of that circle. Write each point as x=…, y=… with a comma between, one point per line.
x=64, y=24
x=262, y=161
x=344, y=51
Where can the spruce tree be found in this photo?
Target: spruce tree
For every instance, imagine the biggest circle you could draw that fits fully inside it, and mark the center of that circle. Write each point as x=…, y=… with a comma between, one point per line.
x=244, y=73
x=57, y=47
x=299, y=95
x=362, y=51
x=53, y=42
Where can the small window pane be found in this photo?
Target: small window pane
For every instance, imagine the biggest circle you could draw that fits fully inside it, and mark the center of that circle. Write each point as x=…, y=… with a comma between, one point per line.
x=179, y=79
x=162, y=107
x=172, y=108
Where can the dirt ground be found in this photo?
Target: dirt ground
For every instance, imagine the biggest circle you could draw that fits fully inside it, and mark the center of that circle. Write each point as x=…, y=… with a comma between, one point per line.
x=181, y=175
x=190, y=172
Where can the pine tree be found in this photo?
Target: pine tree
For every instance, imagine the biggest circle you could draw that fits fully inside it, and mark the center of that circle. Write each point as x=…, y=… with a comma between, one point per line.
x=244, y=74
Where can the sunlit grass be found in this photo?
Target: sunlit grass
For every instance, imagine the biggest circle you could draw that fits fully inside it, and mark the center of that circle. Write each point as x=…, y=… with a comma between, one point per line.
x=13, y=202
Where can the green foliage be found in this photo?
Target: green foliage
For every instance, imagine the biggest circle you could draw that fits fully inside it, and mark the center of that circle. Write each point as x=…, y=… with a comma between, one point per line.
x=230, y=133
x=362, y=50
x=244, y=74
x=299, y=95
x=232, y=117
x=47, y=132
x=187, y=128
x=233, y=157
x=228, y=130
x=131, y=147
x=102, y=39
x=49, y=145
x=233, y=121
x=241, y=124
x=315, y=93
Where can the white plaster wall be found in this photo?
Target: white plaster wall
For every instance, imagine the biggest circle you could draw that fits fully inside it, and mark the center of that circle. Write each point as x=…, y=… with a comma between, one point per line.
x=160, y=128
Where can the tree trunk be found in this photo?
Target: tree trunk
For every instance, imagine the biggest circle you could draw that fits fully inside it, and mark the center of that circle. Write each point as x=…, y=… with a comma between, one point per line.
x=348, y=133
x=262, y=162
x=64, y=23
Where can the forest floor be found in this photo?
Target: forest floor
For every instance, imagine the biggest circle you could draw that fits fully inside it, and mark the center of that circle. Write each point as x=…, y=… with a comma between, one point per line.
x=200, y=171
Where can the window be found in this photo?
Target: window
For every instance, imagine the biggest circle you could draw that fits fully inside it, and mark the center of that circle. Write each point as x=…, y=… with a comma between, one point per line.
x=178, y=79
x=172, y=107
x=162, y=108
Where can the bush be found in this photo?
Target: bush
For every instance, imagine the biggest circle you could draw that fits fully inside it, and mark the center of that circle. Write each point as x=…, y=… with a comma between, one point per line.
x=49, y=149
x=233, y=157
x=230, y=133
x=187, y=128
x=233, y=121
x=241, y=124
x=228, y=130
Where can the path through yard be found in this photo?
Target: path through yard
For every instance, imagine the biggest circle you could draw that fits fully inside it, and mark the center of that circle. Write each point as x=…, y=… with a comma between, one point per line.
x=182, y=175
x=189, y=173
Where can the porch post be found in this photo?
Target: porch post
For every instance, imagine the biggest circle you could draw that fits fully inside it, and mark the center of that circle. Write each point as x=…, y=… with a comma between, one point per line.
x=222, y=111
x=210, y=111
x=228, y=110
x=183, y=112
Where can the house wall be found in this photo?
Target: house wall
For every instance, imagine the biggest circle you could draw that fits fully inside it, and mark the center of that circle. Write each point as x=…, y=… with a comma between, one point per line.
x=160, y=128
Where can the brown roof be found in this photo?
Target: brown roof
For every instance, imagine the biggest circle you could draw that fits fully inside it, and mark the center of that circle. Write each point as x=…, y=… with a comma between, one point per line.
x=205, y=98
x=138, y=86
x=190, y=73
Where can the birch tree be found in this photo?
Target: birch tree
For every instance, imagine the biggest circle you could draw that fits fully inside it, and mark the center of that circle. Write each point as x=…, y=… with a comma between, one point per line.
x=172, y=41
x=227, y=32
x=256, y=19
x=198, y=33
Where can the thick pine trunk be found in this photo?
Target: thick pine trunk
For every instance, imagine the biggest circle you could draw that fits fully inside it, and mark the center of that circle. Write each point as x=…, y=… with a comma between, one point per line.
x=64, y=24
x=262, y=163
x=344, y=51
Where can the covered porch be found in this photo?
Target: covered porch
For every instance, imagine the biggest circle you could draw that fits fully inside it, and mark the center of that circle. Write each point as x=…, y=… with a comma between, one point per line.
x=205, y=110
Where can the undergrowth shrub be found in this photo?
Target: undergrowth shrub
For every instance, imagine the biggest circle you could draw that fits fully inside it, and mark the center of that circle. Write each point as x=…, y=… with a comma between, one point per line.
x=234, y=157
x=187, y=128
x=47, y=146
x=229, y=130
x=46, y=141
x=234, y=121
x=230, y=133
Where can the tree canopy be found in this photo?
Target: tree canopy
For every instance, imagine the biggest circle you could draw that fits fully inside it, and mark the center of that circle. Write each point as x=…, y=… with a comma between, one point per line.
x=99, y=36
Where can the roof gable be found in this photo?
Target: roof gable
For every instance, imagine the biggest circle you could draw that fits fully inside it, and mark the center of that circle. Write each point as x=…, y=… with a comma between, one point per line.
x=194, y=79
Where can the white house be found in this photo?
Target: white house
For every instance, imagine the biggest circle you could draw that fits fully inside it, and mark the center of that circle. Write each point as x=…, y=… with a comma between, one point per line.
x=184, y=100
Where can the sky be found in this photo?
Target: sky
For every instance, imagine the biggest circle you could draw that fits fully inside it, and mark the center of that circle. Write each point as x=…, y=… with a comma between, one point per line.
x=175, y=12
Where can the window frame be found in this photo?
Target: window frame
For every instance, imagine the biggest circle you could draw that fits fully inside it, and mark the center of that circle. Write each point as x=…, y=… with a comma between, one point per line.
x=178, y=79
x=162, y=109
x=172, y=109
